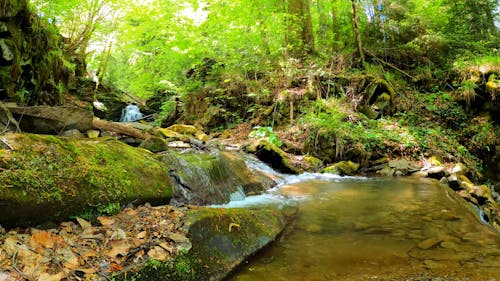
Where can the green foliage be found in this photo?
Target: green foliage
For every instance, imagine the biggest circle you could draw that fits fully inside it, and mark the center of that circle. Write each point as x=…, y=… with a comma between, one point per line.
x=265, y=132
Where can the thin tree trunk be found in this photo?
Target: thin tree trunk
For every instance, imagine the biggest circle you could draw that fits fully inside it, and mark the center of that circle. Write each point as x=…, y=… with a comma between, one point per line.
x=105, y=65
x=307, y=28
x=300, y=32
x=377, y=19
x=335, y=28
x=357, y=34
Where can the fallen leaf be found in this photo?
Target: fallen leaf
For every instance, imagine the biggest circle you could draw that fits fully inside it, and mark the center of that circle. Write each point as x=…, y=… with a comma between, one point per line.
x=49, y=277
x=142, y=235
x=167, y=247
x=140, y=253
x=87, y=270
x=69, y=259
x=114, y=267
x=106, y=221
x=118, y=234
x=130, y=211
x=67, y=226
x=118, y=247
x=178, y=238
x=158, y=253
x=83, y=223
x=43, y=238
x=86, y=255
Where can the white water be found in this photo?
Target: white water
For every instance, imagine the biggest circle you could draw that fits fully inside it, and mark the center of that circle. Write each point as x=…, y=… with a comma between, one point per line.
x=282, y=194
x=131, y=113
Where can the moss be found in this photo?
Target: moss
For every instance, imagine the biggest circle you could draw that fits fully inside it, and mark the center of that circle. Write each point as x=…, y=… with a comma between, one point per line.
x=221, y=240
x=272, y=155
x=69, y=177
x=342, y=168
x=183, y=129
x=211, y=178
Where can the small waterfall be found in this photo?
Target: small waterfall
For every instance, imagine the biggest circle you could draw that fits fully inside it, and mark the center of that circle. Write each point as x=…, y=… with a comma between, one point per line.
x=238, y=195
x=131, y=113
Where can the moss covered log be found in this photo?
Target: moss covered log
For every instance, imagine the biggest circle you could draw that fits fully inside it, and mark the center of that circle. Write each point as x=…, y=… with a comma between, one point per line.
x=47, y=178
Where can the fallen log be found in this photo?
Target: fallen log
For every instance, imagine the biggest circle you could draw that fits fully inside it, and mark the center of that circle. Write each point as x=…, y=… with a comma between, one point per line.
x=119, y=128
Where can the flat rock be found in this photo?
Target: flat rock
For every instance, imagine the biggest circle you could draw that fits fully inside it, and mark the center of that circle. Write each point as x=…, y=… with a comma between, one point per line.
x=436, y=172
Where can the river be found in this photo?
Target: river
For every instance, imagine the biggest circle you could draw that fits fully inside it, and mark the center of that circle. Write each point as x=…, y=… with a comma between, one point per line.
x=374, y=229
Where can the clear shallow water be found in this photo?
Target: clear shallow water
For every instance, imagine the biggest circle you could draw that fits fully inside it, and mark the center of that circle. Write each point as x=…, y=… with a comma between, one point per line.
x=374, y=229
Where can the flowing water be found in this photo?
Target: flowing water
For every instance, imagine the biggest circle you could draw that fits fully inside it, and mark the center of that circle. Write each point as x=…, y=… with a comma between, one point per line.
x=374, y=229
x=131, y=113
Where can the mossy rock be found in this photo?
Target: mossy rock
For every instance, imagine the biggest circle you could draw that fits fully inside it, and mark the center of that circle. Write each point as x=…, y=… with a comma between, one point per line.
x=312, y=163
x=154, y=144
x=210, y=178
x=183, y=129
x=221, y=240
x=377, y=97
x=48, y=178
x=271, y=154
x=342, y=168
x=169, y=134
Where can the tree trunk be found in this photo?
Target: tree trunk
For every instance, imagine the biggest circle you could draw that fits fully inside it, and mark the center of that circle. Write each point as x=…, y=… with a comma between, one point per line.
x=357, y=34
x=323, y=19
x=300, y=37
x=377, y=19
x=335, y=28
x=119, y=128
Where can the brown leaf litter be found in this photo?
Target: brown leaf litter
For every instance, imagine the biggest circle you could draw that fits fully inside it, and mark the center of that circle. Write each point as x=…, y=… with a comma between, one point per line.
x=81, y=251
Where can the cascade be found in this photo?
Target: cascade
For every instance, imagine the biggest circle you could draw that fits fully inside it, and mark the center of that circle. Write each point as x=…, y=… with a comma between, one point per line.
x=131, y=113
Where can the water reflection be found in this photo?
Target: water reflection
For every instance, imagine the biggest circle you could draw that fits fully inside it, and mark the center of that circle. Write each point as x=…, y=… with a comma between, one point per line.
x=381, y=229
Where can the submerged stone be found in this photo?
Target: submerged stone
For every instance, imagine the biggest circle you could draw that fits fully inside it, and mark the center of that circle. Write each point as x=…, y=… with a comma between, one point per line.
x=429, y=243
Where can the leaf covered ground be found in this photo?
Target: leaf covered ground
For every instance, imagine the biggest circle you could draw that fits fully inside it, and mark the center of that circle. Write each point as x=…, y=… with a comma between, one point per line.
x=79, y=250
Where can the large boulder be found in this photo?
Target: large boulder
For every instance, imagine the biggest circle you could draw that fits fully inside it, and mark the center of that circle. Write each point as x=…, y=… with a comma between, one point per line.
x=51, y=119
x=202, y=177
x=221, y=240
x=48, y=178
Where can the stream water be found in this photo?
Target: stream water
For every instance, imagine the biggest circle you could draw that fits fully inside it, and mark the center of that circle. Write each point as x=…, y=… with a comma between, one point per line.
x=374, y=229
